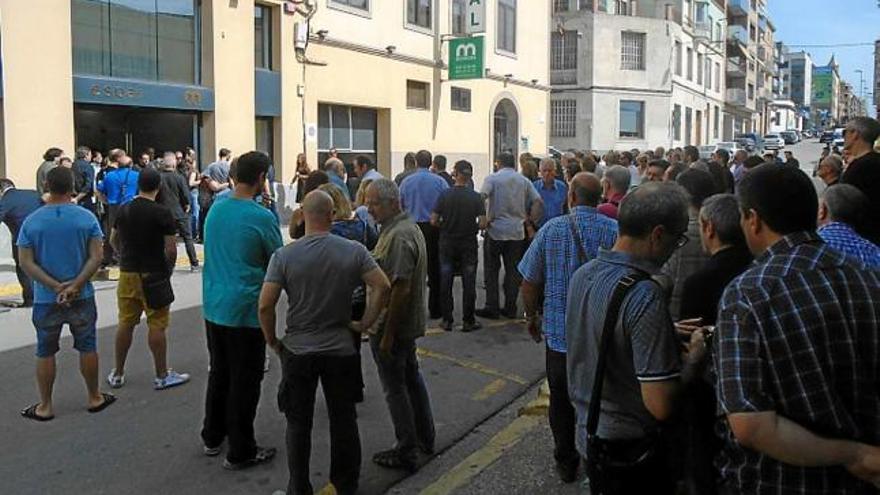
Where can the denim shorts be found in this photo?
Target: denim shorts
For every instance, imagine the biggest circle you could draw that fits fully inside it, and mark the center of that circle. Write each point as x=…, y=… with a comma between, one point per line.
x=81, y=317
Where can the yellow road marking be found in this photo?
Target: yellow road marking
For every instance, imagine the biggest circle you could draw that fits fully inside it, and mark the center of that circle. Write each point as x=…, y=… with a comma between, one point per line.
x=475, y=463
x=489, y=390
x=328, y=489
x=472, y=365
x=495, y=324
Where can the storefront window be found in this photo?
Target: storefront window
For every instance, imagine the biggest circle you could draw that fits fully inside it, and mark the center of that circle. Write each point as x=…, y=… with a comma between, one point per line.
x=136, y=39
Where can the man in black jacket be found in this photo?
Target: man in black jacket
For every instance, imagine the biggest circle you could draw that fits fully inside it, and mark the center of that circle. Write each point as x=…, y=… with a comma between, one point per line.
x=174, y=194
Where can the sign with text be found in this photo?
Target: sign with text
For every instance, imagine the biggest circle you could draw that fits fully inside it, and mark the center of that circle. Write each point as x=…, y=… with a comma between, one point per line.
x=476, y=16
x=466, y=58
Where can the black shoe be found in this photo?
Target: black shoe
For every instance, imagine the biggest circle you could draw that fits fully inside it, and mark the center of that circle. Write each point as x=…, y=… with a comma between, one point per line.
x=447, y=325
x=436, y=316
x=567, y=471
x=264, y=454
x=471, y=326
x=489, y=314
x=511, y=315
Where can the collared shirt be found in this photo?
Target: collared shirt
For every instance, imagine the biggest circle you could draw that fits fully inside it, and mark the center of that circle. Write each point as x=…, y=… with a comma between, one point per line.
x=339, y=183
x=510, y=196
x=401, y=254
x=554, y=198
x=685, y=261
x=119, y=185
x=419, y=193
x=372, y=174
x=610, y=208
x=552, y=258
x=645, y=347
x=844, y=238
x=799, y=334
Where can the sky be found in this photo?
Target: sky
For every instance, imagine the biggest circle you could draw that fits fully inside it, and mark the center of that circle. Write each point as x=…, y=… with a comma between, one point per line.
x=830, y=22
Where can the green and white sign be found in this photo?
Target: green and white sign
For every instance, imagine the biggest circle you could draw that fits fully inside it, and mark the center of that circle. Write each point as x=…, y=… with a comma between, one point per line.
x=466, y=59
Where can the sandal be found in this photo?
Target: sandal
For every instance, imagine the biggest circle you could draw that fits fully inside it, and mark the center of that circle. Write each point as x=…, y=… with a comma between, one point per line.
x=108, y=399
x=395, y=459
x=30, y=412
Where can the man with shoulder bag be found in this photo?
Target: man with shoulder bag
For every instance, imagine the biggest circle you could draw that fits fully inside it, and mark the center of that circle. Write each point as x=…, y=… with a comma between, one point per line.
x=624, y=362
x=144, y=234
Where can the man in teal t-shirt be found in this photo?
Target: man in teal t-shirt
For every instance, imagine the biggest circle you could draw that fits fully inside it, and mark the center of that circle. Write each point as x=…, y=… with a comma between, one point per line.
x=240, y=238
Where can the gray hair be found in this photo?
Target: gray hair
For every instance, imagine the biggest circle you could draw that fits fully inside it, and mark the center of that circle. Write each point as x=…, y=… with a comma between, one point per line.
x=83, y=152
x=333, y=164
x=868, y=128
x=619, y=178
x=846, y=204
x=386, y=190
x=835, y=162
x=549, y=162
x=653, y=204
x=722, y=211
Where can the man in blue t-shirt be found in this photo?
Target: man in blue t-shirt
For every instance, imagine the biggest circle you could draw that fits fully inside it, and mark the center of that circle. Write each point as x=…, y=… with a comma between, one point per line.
x=118, y=187
x=240, y=238
x=60, y=249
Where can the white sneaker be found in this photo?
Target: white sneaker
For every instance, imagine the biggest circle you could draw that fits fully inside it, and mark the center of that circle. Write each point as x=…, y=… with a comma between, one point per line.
x=114, y=380
x=172, y=379
x=266, y=364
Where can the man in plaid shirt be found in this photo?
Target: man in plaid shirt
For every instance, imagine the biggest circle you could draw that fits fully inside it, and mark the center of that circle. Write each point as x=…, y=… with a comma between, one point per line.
x=797, y=353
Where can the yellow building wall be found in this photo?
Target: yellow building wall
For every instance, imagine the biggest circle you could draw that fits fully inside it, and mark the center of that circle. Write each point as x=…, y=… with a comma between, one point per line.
x=37, y=84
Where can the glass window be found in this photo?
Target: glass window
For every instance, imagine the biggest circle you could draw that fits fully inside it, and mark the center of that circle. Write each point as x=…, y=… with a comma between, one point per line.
x=461, y=99
x=136, y=39
x=563, y=118
x=676, y=122
x=690, y=64
x=418, y=95
x=563, y=50
x=699, y=68
x=263, y=37
x=341, y=122
x=363, y=129
x=678, y=62
x=632, y=56
x=418, y=13
x=355, y=4
x=324, y=127
x=459, y=17
x=348, y=129
x=560, y=5
x=632, y=119
x=265, y=140
x=507, y=25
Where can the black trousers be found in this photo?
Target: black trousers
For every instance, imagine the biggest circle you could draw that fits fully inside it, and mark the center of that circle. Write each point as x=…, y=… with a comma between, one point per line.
x=27, y=285
x=237, y=359
x=183, y=230
x=461, y=256
x=432, y=248
x=111, y=257
x=339, y=376
x=493, y=253
x=561, y=414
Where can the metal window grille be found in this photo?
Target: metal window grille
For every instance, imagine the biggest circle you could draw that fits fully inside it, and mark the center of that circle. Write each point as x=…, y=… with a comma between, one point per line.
x=418, y=95
x=560, y=5
x=563, y=118
x=461, y=99
x=632, y=55
x=564, y=51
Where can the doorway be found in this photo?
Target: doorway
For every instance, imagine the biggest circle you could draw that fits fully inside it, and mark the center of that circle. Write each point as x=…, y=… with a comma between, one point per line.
x=506, y=129
x=134, y=129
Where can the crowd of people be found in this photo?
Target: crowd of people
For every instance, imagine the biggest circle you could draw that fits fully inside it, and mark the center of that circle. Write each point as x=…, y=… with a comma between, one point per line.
x=710, y=326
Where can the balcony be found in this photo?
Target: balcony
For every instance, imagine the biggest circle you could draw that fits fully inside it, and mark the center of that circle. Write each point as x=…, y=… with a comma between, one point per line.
x=762, y=54
x=566, y=76
x=738, y=7
x=703, y=29
x=736, y=67
x=738, y=34
x=736, y=96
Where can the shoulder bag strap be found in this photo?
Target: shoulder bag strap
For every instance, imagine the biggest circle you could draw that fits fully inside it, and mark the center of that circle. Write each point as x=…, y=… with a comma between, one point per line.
x=611, y=317
x=581, y=253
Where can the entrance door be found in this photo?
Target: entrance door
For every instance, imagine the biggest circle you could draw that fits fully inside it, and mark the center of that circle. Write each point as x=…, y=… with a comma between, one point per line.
x=506, y=128
x=134, y=129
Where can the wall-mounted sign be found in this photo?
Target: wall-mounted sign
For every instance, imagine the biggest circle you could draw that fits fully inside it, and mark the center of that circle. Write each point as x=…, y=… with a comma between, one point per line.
x=466, y=58
x=108, y=91
x=476, y=16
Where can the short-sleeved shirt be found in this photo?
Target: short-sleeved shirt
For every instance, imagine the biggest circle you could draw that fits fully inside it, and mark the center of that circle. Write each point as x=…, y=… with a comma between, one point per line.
x=799, y=334
x=419, y=193
x=510, y=195
x=240, y=237
x=401, y=254
x=59, y=236
x=552, y=258
x=43, y=173
x=645, y=347
x=15, y=206
x=459, y=207
x=217, y=171
x=120, y=185
x=554, y=198
x=142, y=226
x=844, y=238
x=319, y=273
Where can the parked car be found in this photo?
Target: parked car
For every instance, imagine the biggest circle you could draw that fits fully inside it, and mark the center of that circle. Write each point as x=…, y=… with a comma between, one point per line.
x=731, y=147
x=773, y=142
x=757, y=142
x=790, y=137
x=838, y=137
x=827, y=137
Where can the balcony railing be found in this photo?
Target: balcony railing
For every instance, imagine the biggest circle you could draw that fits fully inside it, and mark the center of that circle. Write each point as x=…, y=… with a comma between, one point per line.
x=736, y=96
x=738, y=34
x=736, y=66
x=738, y=7
x=566, y=76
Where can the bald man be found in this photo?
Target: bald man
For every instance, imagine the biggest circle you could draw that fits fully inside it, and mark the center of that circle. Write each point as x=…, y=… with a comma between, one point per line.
x=319, y=272
x=561, y=247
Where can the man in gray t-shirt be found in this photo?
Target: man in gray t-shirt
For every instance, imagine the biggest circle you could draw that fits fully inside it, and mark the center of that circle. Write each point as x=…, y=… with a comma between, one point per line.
x=319, y=272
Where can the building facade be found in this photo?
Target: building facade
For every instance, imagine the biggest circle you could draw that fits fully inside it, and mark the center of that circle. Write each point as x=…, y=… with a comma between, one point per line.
x=629, y=74
x=826, y=95
x=362, y=76
x=741, y=97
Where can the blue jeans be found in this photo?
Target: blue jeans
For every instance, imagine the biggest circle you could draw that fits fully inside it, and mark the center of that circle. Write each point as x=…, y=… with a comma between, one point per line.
x=406, y=395
x=461, y=256
x=194, y=211
x=49, y=318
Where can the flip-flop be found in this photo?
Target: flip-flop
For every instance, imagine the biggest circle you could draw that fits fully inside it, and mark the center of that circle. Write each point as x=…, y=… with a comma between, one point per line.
x=30, y=412
x=108, y=399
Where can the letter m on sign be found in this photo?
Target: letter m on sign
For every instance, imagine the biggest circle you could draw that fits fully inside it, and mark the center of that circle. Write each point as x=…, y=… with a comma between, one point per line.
x=466, y=58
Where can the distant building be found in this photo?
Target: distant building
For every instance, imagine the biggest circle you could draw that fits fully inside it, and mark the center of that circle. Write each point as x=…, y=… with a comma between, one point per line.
x=826, y=94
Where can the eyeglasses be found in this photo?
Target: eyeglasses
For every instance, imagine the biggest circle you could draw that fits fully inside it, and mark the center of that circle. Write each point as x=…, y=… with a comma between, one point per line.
x=682, y=240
